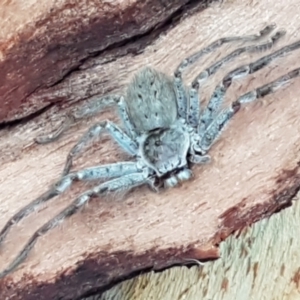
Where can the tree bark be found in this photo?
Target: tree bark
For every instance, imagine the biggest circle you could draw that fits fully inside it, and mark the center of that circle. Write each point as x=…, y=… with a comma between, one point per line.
x=254, y=171
x=44, y=42
x=260, y=262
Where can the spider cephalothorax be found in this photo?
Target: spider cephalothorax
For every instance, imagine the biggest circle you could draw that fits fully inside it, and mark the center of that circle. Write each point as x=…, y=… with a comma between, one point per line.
x=165, y=132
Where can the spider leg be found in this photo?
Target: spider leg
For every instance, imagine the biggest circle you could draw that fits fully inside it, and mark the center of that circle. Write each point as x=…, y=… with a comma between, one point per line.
x=215, y=128
x=218, y=43
x=93, y=173
x=178, y=83
x=125, y=182
x=217, y=98
x=193, y=111
x=269, y=88
x=90, y=108
x=211, y=70
x=219, y=92
x=126, y=143
x=181, y=95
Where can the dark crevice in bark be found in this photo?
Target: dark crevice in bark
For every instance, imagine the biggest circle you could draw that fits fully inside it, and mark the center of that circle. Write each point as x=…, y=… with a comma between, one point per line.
x=99, y=291
x=11, y=124
x=144, y=39
x=133, y=45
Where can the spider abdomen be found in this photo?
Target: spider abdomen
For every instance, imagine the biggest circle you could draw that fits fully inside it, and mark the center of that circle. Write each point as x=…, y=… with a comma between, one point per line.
x=151, y=101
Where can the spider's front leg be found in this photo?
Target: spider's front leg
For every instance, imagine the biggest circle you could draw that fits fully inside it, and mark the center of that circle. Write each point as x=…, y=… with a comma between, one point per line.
x=123, y=140
x=212, y=69
x=122, y=183
x=88, y=174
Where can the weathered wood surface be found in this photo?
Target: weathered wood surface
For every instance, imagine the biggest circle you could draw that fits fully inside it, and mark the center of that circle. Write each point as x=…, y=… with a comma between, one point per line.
x=254, y=170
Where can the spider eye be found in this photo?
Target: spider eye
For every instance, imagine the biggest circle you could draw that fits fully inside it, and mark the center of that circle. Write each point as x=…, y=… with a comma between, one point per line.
x=158, y=143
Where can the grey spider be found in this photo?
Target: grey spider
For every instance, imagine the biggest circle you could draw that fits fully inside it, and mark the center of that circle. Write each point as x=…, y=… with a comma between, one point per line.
x=164, y=130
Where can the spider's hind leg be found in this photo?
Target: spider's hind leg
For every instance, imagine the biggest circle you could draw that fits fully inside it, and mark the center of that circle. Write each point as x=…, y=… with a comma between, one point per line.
x=216, y=127
x=269, y=88
x=217, y=98
x=179, y=87
x=210, y=128
x=215, y=101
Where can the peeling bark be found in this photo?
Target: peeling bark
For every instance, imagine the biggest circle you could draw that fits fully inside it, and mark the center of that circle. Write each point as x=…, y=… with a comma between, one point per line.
x=254, y=171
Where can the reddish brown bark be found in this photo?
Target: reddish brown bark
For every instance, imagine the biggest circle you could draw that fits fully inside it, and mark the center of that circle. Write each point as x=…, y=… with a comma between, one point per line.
x=253, y=174
x=42, y=43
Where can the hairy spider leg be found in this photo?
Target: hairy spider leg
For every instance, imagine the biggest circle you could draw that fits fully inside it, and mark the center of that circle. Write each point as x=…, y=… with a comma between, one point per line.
x=25, y=211
x=91, y=108
x=179, y=86
x=193, y=110
x=269, y=88
x=125, y=182
x=212, y=69
x=212, y=109
x=66, y=124
x=123, y=140
x=93, y=173
x=214, y=128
